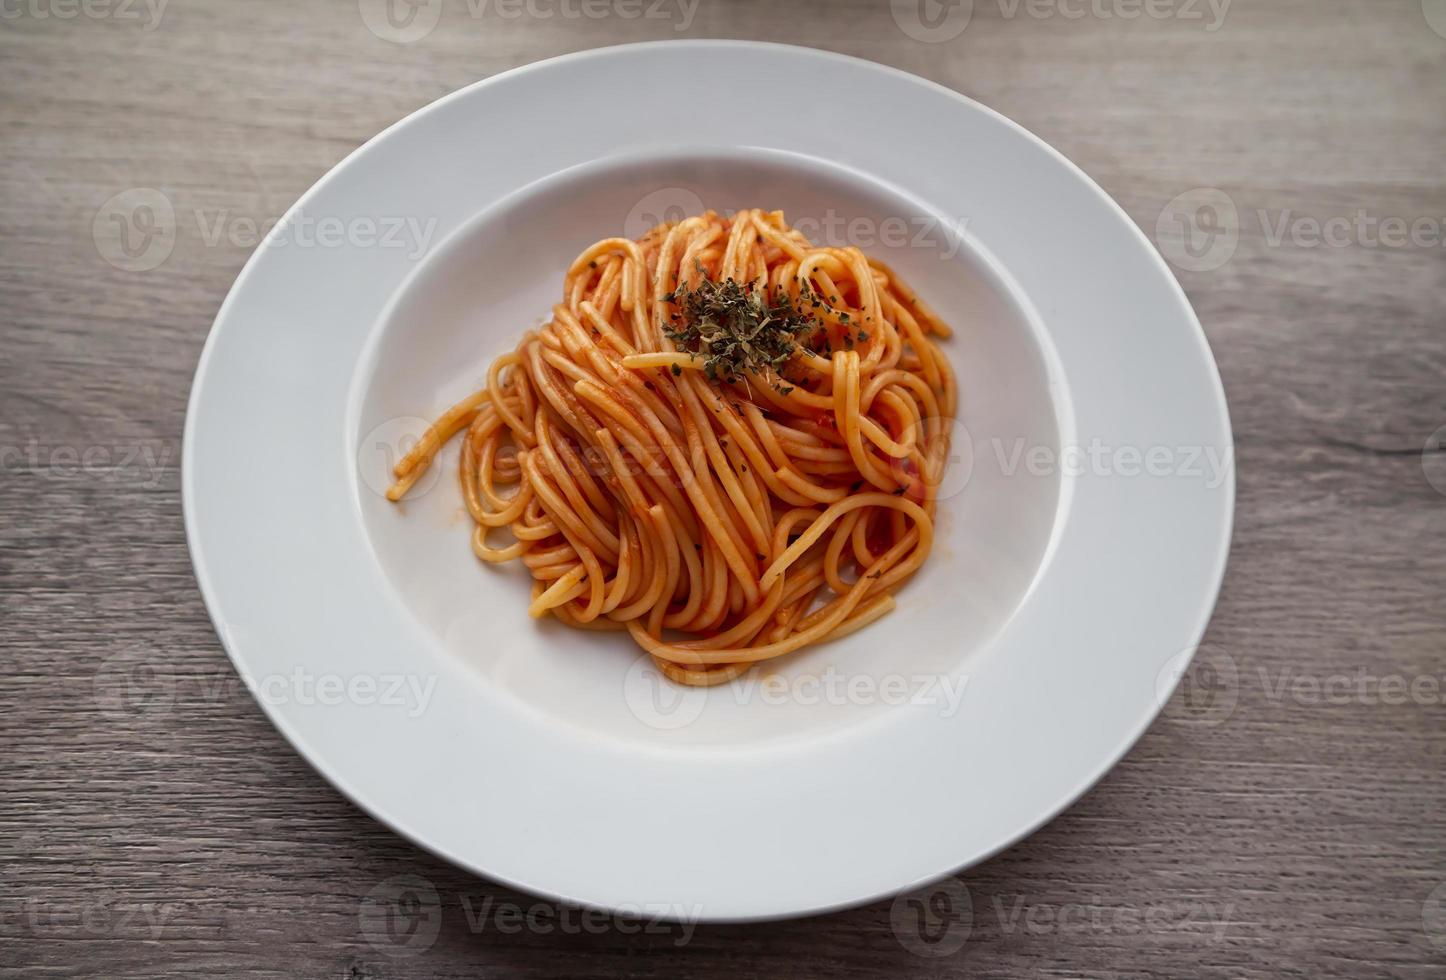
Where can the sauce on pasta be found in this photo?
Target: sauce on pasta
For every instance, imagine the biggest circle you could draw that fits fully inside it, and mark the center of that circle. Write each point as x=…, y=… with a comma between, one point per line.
x=726, y=441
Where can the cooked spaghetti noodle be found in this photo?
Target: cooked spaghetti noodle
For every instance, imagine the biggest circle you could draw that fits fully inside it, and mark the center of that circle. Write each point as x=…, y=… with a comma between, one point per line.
x=726, y=441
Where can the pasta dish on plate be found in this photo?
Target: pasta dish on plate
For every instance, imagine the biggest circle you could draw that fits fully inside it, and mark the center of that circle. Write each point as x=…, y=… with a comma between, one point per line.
x=726, y=441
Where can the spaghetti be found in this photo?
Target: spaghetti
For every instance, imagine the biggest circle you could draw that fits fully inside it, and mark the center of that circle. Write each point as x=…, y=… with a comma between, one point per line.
x=726, y=441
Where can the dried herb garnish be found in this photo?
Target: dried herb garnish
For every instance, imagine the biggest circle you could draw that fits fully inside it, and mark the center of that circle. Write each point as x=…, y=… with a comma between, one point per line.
x=738, y=328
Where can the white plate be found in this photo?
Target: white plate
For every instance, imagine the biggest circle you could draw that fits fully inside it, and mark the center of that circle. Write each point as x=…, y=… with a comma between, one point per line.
x=1081, y=545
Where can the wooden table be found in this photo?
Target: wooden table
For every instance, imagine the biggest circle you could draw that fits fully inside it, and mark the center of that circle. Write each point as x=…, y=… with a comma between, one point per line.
x=1286, y=817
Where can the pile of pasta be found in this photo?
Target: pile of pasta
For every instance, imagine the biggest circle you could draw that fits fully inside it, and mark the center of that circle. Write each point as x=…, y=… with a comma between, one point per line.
x=721, y=517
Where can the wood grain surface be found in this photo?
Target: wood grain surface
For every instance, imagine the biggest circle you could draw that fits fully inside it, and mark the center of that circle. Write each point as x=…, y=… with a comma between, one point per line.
x=1285, y=817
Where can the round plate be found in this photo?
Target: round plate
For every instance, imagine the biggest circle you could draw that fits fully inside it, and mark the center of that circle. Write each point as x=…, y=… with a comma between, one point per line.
x=1082, y=534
